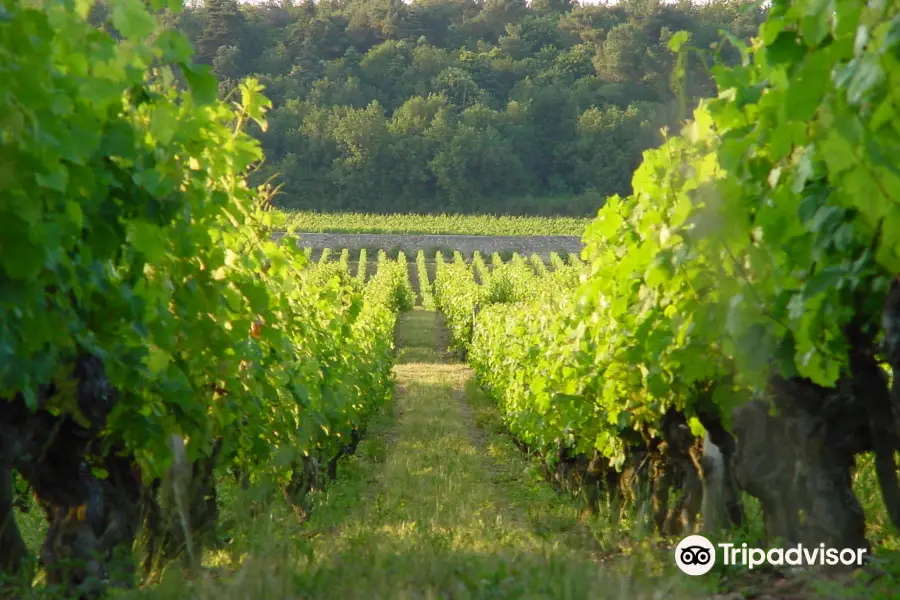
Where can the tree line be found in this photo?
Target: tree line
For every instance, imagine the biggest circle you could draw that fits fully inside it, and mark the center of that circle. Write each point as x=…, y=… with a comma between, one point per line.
x=461, y=105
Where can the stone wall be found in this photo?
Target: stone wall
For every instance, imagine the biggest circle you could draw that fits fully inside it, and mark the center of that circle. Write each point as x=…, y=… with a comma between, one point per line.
x=466, y=244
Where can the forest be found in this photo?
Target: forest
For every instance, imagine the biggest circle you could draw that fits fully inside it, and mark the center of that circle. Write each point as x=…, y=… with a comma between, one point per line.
x=461, y=105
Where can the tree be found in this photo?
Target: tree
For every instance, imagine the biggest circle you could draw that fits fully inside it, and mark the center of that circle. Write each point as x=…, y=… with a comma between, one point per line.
x=563, y=88
x=223, y=25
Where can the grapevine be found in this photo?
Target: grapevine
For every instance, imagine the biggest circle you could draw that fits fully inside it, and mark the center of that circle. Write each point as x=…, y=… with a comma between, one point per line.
x=142, y=297
x=751, y=261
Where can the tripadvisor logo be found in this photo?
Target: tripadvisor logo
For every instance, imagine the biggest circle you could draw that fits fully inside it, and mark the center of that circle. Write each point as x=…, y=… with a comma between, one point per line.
x=695, y=555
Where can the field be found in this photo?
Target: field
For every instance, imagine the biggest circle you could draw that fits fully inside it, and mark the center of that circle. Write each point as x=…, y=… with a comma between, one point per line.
x=486, y=225
x=193, y=405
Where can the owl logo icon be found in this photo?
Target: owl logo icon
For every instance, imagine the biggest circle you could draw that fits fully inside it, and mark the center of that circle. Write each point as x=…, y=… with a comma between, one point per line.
x=695, y=555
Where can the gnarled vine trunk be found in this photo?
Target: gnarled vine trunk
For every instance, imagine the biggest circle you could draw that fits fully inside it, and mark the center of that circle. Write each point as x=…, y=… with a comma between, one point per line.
x=798, y=462
x=681, y=477
x=827, y=430
x=721, y=505
x=885, y=408
x=92, y=521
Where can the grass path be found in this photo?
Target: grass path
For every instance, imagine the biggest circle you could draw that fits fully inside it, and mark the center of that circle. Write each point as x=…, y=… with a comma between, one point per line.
x=446, y=511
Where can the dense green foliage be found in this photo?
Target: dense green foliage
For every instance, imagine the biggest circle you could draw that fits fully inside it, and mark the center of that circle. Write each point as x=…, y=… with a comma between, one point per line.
x=128, y=234
x=361, y=265
x=406, y=296
x=456, y=293
x=421, y=224
x=458, y=105
x=426, y=290
x=460, y=290
x=749, y=248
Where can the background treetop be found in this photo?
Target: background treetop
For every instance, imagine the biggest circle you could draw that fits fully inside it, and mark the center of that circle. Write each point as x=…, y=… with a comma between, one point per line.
x=458, y=105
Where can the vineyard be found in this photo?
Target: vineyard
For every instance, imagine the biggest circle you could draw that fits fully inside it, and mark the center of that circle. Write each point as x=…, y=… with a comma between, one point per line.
x=191, y=409
x=488, y=225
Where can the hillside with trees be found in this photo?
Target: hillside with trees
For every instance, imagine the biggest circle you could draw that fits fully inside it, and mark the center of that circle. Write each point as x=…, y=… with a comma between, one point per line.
x=461, y=105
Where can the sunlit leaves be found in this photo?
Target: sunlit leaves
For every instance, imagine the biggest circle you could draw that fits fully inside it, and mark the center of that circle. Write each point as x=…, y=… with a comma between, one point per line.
x=127, y=230
x=746, y=248
x=131, y=19
x=201, y=82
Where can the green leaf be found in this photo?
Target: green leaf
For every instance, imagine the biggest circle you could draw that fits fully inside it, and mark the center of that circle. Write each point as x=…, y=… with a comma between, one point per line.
x=678, y=40
x=256, y=294
x=657, y=386
x=100, y=473
x=839, y=154
x=757, y=347
x=201, y=81
x=861, y=39
x=175, y=46
x=826, y=219
x=860, y=188
x=784, y=357
x=696, y=427
x=73, y=211
x=147, y=239
x=157, y=360
x=796, y=307
x=867, y=75
x=892, y=39
x=772, y=29
x=806, y=91
x=55, y=180
x=739, y=314
x=785, y=49
x=825, y=280
x=816, y=21
x=132, y=20
x=163, y=124
x=83, y=8
x=30, y=397
x=725, y=397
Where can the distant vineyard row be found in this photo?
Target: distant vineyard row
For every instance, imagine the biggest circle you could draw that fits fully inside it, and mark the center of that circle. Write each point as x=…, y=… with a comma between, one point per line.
x=345, y=256
x=414, y=224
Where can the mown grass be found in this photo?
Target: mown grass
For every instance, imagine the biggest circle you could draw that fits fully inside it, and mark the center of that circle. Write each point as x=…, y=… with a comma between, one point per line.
x=421, y=224
x=418, y=340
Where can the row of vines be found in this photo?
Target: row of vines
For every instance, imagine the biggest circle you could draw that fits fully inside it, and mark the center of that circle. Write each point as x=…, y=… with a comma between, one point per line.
x=326, y=262
x=742, y=292
x=417, y=224
x=152, y=337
